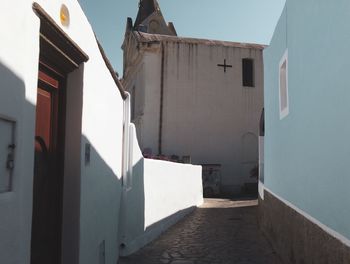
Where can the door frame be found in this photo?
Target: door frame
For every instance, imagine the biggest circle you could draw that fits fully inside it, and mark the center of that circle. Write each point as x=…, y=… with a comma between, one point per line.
x=59, y=55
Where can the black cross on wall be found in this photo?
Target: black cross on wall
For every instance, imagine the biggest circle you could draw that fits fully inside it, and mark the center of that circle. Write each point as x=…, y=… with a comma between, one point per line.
x=225, y=65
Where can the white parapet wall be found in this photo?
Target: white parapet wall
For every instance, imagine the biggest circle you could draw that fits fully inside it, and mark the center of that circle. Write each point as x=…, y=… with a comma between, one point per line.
x=169, y=189
x=156, y=195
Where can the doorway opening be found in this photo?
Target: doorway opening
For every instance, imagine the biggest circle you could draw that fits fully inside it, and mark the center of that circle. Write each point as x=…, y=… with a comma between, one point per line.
x=60, y=65
x=48, y=166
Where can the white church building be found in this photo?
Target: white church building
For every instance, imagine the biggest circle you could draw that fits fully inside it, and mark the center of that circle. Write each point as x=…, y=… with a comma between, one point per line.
x=195, y=100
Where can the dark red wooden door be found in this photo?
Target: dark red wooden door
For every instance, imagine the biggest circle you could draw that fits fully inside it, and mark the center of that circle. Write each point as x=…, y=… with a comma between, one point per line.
x=43, y=118
x=47, y=191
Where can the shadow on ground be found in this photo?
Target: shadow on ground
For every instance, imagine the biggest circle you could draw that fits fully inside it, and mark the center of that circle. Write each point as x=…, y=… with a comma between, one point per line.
x=220, y=232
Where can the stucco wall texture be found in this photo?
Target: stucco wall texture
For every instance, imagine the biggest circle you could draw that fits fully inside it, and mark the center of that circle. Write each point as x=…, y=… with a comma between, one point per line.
x=307, y=153
x=92, y=194
x=207, y=113
x=156, y=195
x=95, y=117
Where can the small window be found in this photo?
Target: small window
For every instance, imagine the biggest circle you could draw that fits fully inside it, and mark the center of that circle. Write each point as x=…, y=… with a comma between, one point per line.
x=248, y=72
x=283, y=86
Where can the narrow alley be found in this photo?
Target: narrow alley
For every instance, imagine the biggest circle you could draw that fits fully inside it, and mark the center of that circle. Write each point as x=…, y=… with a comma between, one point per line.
x=220, y=231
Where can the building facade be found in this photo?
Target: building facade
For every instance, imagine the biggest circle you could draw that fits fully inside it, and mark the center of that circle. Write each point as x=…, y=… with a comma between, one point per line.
x=194, y=98
x=66, y=155
x=305, y=202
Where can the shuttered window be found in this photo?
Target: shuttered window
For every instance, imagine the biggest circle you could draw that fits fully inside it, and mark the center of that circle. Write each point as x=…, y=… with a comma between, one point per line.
x=248, y=72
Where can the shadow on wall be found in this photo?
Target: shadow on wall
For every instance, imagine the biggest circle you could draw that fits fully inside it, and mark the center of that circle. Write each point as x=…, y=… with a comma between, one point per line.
x=134, y=234
x=156, y=195
x=92, y=190
x=132, y=221
x=99, y=210
x=15, y=184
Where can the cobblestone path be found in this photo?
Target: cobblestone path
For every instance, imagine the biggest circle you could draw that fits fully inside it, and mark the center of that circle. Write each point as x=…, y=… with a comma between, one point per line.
x=219, y=232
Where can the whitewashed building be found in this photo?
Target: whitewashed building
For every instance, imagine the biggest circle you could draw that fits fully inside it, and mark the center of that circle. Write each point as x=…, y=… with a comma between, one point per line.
x=69, y=163
x=196, y=98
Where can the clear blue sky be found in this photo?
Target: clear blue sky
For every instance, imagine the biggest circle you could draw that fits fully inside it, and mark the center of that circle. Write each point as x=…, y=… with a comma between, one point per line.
x=232, y=20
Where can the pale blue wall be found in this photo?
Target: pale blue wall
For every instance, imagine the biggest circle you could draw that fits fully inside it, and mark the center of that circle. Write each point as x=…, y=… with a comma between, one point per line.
x=307, y=154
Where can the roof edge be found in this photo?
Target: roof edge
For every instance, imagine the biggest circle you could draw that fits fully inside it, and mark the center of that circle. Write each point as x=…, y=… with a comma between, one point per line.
x=147, y=38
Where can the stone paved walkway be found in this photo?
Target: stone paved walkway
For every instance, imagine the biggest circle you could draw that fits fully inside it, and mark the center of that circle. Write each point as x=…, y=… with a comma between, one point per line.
x=220, y=232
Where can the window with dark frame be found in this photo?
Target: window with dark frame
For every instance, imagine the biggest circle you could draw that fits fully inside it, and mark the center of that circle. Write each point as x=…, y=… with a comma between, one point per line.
x=248, y=72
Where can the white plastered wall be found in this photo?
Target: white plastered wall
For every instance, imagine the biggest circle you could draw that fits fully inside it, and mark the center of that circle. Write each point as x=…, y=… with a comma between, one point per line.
x=101, y=126
x=208, y=114
x=156, y=195
x=150, y=126
x=19, y=51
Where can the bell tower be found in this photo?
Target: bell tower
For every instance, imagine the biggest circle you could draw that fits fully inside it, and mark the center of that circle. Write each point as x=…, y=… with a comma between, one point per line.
x=150, y=19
